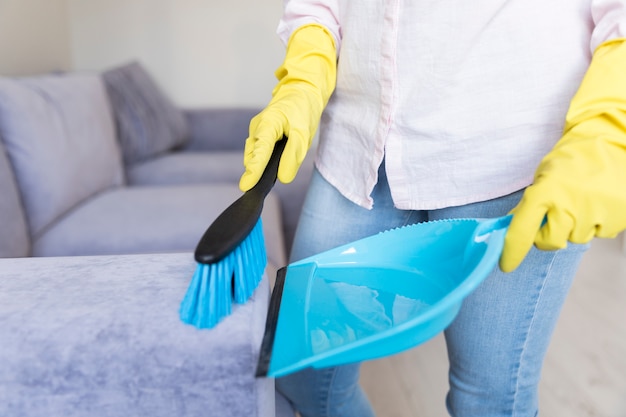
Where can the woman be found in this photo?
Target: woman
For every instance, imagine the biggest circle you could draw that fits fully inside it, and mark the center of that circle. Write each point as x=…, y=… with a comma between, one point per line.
x=447, y=109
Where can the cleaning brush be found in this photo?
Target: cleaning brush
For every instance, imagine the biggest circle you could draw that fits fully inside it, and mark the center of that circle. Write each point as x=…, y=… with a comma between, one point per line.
x=230, y=255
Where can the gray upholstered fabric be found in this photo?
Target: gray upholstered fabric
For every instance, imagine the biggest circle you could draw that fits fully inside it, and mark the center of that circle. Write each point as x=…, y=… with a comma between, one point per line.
x=101, y=337
x=188, y=168
x=210, y=167
x=283, y=406
x=59, y=135
x=14, y=239
x=150, y=219
x=148, y=123
x=218, y=129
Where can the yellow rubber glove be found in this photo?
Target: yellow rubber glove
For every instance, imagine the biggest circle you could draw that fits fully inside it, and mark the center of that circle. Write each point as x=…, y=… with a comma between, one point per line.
x=580, y=185
x=306, y=80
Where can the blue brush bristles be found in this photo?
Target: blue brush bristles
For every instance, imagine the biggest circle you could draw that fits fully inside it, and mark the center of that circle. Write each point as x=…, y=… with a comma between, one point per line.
x=214, y=287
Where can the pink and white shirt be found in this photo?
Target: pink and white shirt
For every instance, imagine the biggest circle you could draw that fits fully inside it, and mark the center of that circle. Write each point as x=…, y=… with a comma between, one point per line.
x=462, y=98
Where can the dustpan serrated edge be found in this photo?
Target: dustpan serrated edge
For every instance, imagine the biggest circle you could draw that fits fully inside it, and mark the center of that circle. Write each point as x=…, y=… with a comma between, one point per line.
x=429, y=222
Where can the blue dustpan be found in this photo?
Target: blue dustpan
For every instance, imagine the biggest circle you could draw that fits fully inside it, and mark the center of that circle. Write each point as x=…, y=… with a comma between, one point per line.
x=376, y=296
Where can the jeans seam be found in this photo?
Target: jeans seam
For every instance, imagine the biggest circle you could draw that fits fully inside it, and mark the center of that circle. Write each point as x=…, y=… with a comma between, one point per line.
x=530, y=326
x=326, y=400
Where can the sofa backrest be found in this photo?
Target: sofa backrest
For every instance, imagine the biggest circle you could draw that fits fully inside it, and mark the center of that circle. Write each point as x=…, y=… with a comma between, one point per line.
x=59, y=135
x=14, y=237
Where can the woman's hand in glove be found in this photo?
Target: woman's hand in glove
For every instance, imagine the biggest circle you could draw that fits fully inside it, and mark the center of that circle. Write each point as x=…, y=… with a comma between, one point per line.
x=306, y=81
x=580, y=186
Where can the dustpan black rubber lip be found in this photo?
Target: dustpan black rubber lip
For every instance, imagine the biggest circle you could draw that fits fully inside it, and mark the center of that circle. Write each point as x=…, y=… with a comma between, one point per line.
x=267, y=345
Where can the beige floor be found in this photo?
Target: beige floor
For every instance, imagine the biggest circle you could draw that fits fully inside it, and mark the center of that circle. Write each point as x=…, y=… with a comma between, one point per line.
x=585, y=370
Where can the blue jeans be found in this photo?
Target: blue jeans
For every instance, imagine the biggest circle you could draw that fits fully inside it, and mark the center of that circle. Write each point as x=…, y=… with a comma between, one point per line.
x=497, y=343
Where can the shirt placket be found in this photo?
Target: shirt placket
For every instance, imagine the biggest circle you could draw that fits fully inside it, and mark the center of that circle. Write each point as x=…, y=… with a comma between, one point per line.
x=388, y=70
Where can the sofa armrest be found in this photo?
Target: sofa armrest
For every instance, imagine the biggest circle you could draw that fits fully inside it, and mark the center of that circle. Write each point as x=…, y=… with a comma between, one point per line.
x=218, y=128
x=100, y=336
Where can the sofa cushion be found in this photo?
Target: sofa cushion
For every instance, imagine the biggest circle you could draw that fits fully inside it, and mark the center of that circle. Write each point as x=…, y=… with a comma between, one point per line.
x=225, y=166
x=14, y=239
x=188, y=168
x=149, y=220
x=218, y=129
x=59, y=135
x=148, y=123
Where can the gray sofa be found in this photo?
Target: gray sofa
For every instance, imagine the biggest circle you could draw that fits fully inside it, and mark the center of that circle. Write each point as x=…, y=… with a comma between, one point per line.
x=105, y=165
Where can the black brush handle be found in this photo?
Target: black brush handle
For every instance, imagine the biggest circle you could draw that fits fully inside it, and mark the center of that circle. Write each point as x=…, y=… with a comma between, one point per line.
x=236, y=222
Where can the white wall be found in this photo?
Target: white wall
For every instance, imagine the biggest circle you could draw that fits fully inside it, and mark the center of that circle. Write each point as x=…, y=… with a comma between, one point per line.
x=202, y=52
x=34, y=36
